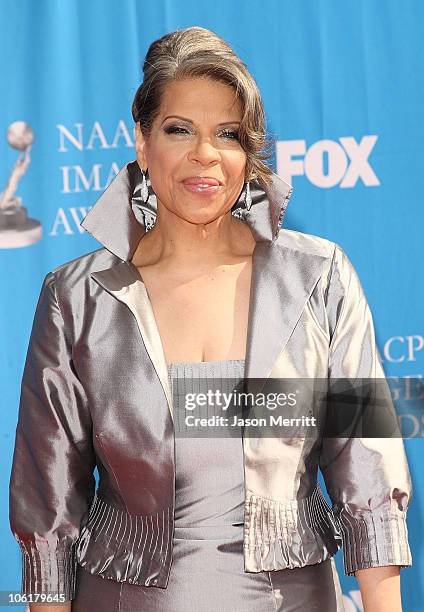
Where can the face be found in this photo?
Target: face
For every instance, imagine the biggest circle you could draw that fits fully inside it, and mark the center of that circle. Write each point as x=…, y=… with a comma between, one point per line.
x=195, y=161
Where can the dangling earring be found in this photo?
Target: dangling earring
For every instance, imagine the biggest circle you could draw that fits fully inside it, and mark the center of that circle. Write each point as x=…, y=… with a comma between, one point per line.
x=144, y=191
x=247, y=196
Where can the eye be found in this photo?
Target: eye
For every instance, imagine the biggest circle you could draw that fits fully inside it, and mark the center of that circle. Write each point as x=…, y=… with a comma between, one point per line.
x=230, y=134
x=176, y=129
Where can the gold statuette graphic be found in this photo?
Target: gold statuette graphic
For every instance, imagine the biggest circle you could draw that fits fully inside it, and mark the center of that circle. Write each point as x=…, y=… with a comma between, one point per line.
x=16, y=229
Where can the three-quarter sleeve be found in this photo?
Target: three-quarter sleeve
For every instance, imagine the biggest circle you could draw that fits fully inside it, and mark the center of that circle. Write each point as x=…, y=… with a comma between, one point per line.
x=367, y=478
x=52, y=482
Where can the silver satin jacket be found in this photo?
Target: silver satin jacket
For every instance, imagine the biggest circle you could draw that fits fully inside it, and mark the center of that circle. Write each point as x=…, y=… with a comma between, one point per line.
x=95, y=391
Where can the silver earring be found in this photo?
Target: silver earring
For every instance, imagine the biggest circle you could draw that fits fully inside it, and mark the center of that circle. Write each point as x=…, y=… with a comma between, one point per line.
x=144, y=189
x=247, y=196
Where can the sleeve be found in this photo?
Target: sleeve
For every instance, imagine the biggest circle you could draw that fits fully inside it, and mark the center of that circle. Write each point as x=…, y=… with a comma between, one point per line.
x=52, y=482
x=367, y=478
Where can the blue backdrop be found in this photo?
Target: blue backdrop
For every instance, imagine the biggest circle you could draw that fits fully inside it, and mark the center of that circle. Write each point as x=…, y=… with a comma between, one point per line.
x=342, y=84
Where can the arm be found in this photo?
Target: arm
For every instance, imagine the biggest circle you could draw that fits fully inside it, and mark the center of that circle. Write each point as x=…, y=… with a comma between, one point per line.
x=380, y=588
x=52, y=482
x=367, y=478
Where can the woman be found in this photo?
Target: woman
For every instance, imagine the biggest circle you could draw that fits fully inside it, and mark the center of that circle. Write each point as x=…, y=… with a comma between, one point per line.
x=196, y=281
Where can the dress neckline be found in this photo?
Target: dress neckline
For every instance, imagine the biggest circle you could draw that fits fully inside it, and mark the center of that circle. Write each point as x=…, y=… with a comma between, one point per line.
x=204, y=363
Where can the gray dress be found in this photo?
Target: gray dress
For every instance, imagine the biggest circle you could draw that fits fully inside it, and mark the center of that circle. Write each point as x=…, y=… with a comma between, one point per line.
x=207, y=571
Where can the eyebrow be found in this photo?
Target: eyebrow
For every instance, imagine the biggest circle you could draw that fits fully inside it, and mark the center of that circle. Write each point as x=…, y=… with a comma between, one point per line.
x=192, y=122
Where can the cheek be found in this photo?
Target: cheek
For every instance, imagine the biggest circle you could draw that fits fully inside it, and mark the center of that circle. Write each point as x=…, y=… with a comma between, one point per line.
x=162, y=157
x=163, y=163
x=234, y=164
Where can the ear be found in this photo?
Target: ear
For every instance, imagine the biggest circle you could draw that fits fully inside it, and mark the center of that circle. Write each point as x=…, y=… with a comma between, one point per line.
x=140, y=147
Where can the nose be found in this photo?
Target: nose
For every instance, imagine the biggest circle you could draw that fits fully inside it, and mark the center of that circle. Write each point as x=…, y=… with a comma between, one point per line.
x=204, y=153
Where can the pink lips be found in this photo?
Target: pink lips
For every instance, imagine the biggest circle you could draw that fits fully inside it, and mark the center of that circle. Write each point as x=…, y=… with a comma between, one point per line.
x=201, y=184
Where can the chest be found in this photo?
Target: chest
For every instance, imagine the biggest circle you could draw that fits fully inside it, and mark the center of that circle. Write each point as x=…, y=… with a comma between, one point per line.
x=201, y=316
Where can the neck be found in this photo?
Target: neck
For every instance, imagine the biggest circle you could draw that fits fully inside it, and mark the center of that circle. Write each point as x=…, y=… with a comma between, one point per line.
x=215, y=242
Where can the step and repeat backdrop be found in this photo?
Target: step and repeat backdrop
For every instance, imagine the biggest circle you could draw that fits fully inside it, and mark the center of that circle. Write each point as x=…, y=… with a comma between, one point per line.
x=343, y=88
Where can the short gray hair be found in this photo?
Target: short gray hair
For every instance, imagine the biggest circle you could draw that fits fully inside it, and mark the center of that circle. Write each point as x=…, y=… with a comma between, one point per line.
x=198, y=52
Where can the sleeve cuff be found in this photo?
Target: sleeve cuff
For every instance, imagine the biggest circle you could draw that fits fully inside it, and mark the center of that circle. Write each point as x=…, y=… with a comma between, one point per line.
x=49, y=572
x=374, y=539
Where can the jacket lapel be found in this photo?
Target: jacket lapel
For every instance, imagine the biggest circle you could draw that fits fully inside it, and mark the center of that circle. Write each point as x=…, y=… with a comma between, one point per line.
x=282, y=282
x=111, y=220
x=124, y=282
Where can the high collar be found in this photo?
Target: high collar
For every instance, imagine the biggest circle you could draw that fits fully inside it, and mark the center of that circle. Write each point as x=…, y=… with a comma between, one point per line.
x=119, y=218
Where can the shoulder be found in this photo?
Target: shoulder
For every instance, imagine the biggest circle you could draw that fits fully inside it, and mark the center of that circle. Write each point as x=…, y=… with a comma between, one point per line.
x=306, y=243
x=337, y=269
x=316, y=246
x=84, y=264
x=73, y=278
